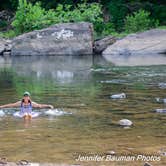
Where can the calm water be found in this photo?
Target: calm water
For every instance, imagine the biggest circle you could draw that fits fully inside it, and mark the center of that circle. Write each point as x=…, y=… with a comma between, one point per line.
x=82, y=86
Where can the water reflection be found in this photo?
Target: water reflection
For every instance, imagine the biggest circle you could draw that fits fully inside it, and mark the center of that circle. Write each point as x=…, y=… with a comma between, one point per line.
x=137, y=60
x=63, y=69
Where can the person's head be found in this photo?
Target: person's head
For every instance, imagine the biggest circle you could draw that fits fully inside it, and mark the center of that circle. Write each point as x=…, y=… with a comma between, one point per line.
x=26, y=97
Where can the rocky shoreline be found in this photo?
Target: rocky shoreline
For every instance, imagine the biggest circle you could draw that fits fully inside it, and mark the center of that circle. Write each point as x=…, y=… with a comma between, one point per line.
x=77, y=39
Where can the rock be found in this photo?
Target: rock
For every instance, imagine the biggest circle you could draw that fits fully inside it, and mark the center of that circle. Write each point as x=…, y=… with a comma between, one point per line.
x=59, y=39
x=111, y=152
x=2, y=46
x=5, y=46
x=102, y=44
x=162, y=85
x=164, y=101
x=147, y=164
x=6, y=53
x=119, y=96
x=8, y=45
x=159, y=100
x=125, y=122
x=160, y=110
x=148, y=42
x=162, y=152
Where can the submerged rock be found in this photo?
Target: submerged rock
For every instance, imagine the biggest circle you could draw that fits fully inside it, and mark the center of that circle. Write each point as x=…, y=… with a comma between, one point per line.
x=160, y=110
x=125, y=122
x=59, y=39
x=147, y=164
x=119, y=96
x=159, y=100
x=162, y=85
x=148, y=42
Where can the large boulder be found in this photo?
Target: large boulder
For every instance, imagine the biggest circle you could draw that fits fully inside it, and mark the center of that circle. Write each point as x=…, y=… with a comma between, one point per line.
x=145, y=43
x=101, y=44
x=60, y=39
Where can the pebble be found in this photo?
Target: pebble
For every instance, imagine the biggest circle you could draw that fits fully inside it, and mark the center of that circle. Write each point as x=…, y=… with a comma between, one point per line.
x=164, y=100
x=160, y=110
x=119, y=96
x=125, y=122
x=111, y=152
x=162, y=85
x=159, y=100
x=147, y=164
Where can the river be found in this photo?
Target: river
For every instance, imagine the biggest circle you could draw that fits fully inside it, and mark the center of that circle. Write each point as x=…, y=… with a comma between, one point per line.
x=80, y=89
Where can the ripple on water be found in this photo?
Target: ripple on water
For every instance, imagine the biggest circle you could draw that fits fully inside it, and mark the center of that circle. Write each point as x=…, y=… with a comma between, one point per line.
x=2, y=113
x=56, y=112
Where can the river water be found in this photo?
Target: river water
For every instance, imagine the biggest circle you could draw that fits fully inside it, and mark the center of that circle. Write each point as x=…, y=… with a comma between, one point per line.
x=86, y=118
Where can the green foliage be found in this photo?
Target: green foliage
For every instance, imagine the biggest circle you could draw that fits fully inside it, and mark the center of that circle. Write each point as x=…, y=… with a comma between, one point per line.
x=8, y=34
x=108, y=28
x=158, y=13
x=118, y=11
x=104, y=29
x=3, y=24
x=139, y=21
x=30, y=17
x=162, y=27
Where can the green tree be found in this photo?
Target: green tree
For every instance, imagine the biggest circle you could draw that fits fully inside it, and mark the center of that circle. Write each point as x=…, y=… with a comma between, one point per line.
x=30, y=17
x=139, y=21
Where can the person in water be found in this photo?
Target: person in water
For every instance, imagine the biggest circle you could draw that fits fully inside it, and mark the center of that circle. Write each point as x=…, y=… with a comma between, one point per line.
x=26, y=106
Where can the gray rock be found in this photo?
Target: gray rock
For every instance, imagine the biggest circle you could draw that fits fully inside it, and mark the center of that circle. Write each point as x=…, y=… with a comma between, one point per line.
x=119, y=96
x=2, y=46
x=111, y=152
x=159, y=100
x=102, y=44
x=60, y=39
x=8, y=45
x=162, y=85
x=164, y=101
x=145, y=43
x=159, y=110
x=6, y=53
x=147, y=164
x=125, y=122
x=5, y=46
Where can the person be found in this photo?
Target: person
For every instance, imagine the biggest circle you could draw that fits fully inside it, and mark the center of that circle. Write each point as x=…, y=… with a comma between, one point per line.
x=26, y=105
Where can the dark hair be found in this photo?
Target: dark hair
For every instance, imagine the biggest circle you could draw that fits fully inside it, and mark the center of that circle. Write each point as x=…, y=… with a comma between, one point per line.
x=22, y=101
x=29, y=101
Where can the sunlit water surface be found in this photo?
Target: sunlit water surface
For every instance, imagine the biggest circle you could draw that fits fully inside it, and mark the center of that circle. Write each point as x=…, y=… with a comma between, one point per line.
x=80, y=87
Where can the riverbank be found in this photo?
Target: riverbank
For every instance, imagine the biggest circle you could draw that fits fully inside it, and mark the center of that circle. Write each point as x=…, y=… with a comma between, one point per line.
x=78, y=39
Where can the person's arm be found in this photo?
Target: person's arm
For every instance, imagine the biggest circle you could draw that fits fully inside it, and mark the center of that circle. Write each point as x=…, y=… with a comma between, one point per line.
x=36, y=105
x=11, y=105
